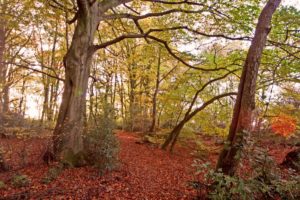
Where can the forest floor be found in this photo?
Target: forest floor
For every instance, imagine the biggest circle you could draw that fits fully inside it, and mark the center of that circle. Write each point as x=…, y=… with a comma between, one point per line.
x=144, y=172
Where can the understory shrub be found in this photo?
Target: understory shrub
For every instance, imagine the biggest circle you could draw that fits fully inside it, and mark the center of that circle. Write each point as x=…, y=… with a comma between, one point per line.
x=258, y=177
x=20, y=181
x=219, y=186
x=52, y=174
x=101, y=145
x=2, y=185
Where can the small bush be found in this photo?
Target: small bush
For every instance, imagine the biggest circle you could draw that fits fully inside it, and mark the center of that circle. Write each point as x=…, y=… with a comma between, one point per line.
x=101, y=145
x=101, y=150
x=20, y=181
x=2, y=185
x=52, y=174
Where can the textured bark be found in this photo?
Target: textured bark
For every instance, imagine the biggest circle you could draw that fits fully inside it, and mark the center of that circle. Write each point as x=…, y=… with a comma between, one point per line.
x=245, y=102
x=70, y=123
x=67, y=135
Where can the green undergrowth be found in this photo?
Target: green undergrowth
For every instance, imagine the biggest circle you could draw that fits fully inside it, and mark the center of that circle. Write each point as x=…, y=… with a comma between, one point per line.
x=52, y=174
x=20, y=180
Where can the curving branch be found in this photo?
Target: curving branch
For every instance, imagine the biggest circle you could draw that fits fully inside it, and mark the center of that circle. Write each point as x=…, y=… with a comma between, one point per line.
x=204, y=86
x=176, y=2
x=148, y=15
x=165, y=43
x=37, y=70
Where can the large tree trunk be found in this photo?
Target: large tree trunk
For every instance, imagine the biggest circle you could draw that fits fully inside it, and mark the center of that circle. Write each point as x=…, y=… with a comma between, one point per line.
x=245, y=102
x=70, y=123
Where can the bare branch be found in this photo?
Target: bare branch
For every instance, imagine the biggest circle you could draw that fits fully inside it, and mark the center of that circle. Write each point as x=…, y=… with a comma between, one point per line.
x=36, y=70
x=148, y=15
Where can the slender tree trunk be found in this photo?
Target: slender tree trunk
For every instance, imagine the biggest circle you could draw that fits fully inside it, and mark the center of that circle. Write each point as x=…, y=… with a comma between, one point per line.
x=53, y=100
x=45, y=81
x=154, y=99
x=2, y=60
x=122, y=101
x=133, y=106
x=49, y=82
x=46, y=99
x=22, y=103
x=92, y=94
x=69, y=129
x=6, y=100
x=51, y=106
x=245, y=102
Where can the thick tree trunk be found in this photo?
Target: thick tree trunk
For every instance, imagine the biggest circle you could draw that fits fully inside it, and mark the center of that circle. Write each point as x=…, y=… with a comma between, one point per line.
x=69, y=129
x=245, y=102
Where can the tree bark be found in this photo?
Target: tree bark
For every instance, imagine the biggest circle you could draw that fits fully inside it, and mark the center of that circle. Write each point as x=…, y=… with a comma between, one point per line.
x=6, y=98
x=154, y=99
x=2, y=61
x=245, y=102
x=67, y=136
x=22, y=103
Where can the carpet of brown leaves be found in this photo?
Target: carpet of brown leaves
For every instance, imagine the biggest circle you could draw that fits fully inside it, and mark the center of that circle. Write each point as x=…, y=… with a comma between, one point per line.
x=145, y=172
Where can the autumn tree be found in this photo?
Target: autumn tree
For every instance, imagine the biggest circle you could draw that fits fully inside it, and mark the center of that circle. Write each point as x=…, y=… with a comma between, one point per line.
x=70, y=123
x=245, y=103
x=12, y=42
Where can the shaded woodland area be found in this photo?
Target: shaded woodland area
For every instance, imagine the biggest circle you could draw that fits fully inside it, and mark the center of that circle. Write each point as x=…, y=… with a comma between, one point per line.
x=149, y=99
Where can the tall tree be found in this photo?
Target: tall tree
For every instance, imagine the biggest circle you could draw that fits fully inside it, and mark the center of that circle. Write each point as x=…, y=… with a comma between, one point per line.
x=2, y=49
x=69, y=128
x=245, y=102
